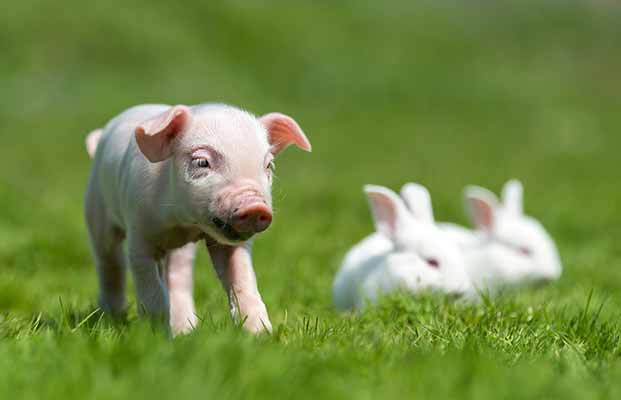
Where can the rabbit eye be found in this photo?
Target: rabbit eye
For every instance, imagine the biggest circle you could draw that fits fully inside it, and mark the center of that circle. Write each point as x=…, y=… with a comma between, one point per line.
x=433, y=263
x=525, y=251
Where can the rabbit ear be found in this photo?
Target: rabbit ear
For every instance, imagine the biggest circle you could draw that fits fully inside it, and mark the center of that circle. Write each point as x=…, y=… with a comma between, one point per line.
x=389, y=212
x=418, y=200
x=481, y=205
x=512, y=197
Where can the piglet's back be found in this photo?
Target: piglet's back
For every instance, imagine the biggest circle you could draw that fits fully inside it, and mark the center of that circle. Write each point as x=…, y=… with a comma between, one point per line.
x=116, y=152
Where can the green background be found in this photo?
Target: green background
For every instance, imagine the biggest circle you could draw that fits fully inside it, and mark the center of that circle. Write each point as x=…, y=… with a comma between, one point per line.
x=437, y=92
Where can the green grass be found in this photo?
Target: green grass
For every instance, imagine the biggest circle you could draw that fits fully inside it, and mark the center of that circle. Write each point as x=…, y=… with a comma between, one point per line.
x=438, y=93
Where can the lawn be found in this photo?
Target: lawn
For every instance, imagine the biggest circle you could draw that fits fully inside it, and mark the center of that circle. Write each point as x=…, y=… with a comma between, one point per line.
x=437, y=92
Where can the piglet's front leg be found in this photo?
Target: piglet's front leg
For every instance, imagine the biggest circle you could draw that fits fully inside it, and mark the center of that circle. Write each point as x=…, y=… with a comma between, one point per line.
x=233, y=264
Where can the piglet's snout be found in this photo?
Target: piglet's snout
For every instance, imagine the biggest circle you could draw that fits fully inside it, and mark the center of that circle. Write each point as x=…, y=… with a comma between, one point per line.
x=252, y=216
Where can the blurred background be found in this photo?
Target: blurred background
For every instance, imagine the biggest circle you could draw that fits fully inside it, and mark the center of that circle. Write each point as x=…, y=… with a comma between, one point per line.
x=445, y=93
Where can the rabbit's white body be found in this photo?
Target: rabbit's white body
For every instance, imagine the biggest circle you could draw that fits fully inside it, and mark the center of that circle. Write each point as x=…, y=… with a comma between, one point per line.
x=409, y=252
x=508, y=248
x=359, y=269
x=356, y=269
x=373, y=267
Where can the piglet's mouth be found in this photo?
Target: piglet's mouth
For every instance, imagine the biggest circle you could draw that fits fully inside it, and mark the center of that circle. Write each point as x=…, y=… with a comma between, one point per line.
x=230, y=233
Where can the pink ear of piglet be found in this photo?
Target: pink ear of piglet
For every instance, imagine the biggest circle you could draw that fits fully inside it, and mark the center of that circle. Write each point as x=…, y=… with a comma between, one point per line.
x=155, y=135
x=282, y=131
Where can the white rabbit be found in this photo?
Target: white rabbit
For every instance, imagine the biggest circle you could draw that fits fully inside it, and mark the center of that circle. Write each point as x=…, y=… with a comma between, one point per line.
x=407, y=251
x=508, y=248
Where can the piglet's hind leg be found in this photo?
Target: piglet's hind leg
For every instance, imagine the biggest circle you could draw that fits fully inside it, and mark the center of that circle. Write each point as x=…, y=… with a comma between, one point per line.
x=107, y=249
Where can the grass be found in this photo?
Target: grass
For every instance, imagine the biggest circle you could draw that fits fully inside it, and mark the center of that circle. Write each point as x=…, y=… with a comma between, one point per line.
x=439, y=93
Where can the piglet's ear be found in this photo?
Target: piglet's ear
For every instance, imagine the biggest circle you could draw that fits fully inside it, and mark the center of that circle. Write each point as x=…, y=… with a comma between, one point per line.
x=282, y=131
x=481, y=205
x=389, y=212
x=155, y=136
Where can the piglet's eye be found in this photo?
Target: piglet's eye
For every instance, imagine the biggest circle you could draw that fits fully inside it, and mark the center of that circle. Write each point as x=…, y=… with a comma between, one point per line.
x=201, y=163
x=433, y=263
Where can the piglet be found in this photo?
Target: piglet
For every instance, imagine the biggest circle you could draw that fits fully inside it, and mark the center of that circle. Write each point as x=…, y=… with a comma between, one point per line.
x=165, y=177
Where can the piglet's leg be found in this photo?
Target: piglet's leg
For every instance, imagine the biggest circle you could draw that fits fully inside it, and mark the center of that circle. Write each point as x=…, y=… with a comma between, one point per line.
x=152, y=299
x=233, y=264
x=179, y=281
